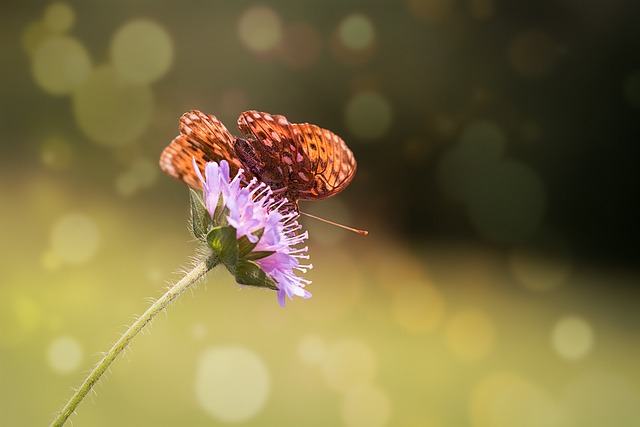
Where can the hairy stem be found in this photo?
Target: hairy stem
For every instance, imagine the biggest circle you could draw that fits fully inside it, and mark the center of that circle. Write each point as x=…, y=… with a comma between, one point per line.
x=189, y=279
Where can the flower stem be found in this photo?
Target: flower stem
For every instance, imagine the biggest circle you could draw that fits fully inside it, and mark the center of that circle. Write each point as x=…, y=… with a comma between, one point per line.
x=189, y=279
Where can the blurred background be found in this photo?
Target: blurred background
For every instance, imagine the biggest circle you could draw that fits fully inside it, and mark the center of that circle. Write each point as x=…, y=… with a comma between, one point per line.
x=497, y=175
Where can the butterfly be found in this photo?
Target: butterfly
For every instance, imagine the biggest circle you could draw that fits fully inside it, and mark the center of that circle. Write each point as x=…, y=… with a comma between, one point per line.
x=298, y=161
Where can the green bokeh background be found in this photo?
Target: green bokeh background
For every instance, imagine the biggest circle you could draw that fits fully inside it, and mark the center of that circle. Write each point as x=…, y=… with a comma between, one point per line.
x=497, y=175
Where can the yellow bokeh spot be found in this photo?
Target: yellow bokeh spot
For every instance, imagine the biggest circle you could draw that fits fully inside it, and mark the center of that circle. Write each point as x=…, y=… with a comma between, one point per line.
x=260, y=29
x=572, y=337
x=59, y=17
x=470, y=335
x=141, y=51
x=481, y=146
x=312, y=350
x=505, y=399
x=75, y=238
x=110, y=110
x=232, y=383
x=418, y=307
x=61, y=64
x=366, y=405
x=533, y=53
x=368, y=115
x=33, y=35
x=64, y=355
x=20, y=315
x=356, y=32
x=348, y=363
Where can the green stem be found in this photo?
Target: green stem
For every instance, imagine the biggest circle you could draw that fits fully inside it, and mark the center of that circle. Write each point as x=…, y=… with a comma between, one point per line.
x=189, y=279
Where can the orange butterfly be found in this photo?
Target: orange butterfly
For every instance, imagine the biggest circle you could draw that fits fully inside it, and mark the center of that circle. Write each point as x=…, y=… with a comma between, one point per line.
x=298, y=161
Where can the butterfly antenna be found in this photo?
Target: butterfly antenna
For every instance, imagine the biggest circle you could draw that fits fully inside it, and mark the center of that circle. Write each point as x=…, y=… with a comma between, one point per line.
x=355, y=230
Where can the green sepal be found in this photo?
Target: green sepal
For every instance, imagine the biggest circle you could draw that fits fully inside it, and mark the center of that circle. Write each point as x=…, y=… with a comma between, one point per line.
x=250, y=274
x=255, y=255
x=246, y=246
x=224, y=244
x=200, y=218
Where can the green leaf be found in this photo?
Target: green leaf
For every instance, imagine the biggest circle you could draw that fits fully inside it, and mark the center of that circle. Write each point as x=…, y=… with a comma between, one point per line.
x=250, y=274
x=200, y=218
x=223, y=242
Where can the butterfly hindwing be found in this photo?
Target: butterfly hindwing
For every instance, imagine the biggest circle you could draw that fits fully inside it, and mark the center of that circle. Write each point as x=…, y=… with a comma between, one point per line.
x=203, y=138
x=332, y=164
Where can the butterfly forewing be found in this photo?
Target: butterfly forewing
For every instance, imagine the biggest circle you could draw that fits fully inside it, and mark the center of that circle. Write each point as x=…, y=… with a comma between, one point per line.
x=203, y=138
x=333, y=164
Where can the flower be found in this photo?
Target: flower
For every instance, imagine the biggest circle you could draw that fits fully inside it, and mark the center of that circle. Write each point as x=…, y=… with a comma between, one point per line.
x=265, y=233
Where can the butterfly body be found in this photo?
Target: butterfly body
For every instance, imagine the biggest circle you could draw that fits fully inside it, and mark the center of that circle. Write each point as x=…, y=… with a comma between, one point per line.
x=298, y=161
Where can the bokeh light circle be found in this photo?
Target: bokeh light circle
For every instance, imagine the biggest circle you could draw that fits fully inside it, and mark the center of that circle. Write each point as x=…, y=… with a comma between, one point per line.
x=368, y=115
x=60, y=65
x=59, y=17
x=33, y=35
x=141, y=51
x=482, y=144
x=356, y=32
x=232, y=383
x=20, y=316
x=260, y=29
x=111, y=110
x=64, y=355
x=75, y=238
x=348, y=363
x=470, y=334
x=418, y=307
x=312, y=350
x=572, y=337
x=366, y=405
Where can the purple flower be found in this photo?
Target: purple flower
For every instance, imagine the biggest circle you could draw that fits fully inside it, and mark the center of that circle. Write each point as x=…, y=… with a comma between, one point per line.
x=253, y=212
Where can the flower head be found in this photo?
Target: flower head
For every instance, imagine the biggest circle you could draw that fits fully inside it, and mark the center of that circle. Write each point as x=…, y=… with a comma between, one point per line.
x=266, y=235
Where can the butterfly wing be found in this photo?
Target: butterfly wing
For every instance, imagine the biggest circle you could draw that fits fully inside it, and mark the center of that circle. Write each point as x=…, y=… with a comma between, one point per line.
x=331, y=163
x=203, y=137
x=314, y=163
